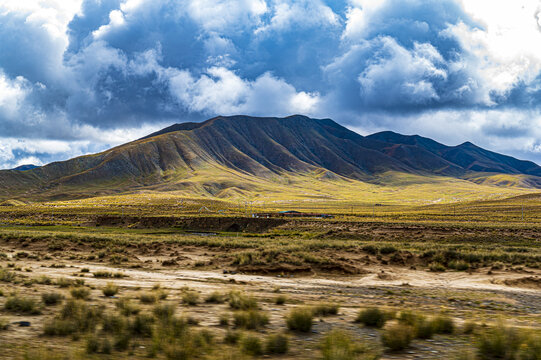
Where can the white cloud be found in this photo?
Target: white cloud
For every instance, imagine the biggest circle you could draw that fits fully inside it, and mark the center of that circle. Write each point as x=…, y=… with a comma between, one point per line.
x=226, y=15
x=359, y=17
x=221, y=91
x=116, y=19
x=503, y=52
x=300, y=14
x=12, y=94
x=404, y=75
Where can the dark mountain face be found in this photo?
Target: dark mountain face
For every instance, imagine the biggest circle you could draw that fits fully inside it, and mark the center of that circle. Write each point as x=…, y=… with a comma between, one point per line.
x=466, y=156
x=262, y=147
x=25, y=167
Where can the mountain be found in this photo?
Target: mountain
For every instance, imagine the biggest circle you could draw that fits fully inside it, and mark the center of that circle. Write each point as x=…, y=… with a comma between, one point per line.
x=225, y=155
x=25, y=167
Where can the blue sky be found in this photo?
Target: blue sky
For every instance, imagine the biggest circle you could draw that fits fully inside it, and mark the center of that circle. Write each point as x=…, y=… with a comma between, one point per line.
x=82, y=76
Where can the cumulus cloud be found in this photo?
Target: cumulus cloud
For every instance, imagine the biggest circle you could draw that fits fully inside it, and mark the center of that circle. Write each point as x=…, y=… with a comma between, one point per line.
x=221, y=91
x=91, y=74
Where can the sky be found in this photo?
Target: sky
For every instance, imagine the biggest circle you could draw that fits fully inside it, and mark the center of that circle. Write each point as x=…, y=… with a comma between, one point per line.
x=80, y=76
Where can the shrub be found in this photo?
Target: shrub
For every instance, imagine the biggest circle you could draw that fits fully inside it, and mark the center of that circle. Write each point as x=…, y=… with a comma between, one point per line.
x=80, y=293
x=113, y=324
x=43, y=280
x=190, y=298
x=372, y=317
x=141, y=325
x=92, y=345
x=148, y=298
x=4, y=324
x=436, y=267
x=239, y=301
x=74, y=317
x=397, y=337
x=250, y=319
x=443, y=325
x=300, y=319
x=18, y=304
x=325, y=309
x=103, y=274
x=251, y=345
x=224, y=319
x=64, y=283
x=468, y=327
x=408, y=317
x=389, y=249
x=459, y=265
x=164, y=312
x=232, y=337
x=51, y=298
x=110, y=290
x=371, y=249
x=338, y=345
x=280, y=300
x=499, y=342
x=215, y=298
x=277, y=344
x=423, y=329
x=60, y=327
x=531, y=348
x=127, y=308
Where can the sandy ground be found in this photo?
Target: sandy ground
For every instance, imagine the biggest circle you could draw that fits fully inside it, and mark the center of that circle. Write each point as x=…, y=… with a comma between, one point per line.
x=481, y=296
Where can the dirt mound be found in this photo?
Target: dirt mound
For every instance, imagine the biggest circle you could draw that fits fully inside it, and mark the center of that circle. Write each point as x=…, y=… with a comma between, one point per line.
x=195, y=223
x=275, y=269
x=528, y=282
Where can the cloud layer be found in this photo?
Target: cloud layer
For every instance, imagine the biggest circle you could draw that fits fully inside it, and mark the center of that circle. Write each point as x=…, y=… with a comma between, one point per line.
x=79, y=76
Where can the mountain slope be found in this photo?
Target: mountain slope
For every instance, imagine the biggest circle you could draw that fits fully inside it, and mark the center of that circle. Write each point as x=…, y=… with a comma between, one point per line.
x=233, y=153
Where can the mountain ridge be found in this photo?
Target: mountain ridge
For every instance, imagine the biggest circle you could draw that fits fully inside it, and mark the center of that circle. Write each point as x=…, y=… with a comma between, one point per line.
x=263, y=148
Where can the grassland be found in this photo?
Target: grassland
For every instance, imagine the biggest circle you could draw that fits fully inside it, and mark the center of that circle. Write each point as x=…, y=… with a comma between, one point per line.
x=168, y=276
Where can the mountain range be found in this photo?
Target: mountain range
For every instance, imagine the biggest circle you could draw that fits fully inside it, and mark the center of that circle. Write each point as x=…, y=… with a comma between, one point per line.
x=226, y=155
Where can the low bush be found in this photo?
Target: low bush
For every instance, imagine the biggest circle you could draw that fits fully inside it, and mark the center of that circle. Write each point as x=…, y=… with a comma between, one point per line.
x=232, y=337
x=190, y=298
x=503, y=342
x=164, y=313
x=397, y=337
x=443, y=324
x=113, y=323
x=423, y=329
x=325, y=309
x=64, y=283
x=437, y=267
x=81, y=293
x=148, y=298
x=22, y=305
x=300, y=319
x=459, y=265
x=239, y=301
x=389, y=249
x=141, y=325
x=250, y=319
x=276, y=344
x=339, y=345
x=51, y=298
x=110, y=290
x=251, y=345
x=372, y=317
x=280, y=300
x=224, y=319
x=75, y=317
x=127, y=307
x=215, y=298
